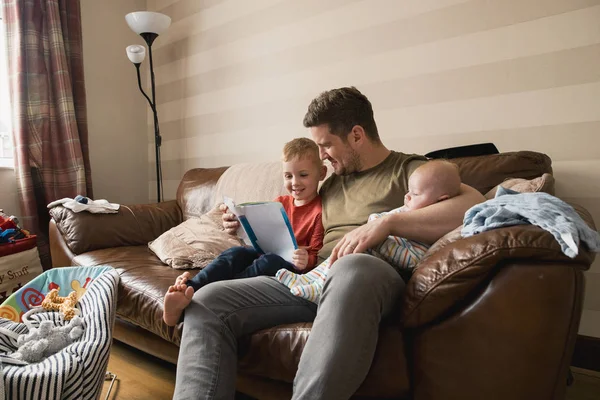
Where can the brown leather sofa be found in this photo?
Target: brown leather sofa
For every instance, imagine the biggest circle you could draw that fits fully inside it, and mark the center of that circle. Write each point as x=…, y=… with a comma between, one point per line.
x=493, y=316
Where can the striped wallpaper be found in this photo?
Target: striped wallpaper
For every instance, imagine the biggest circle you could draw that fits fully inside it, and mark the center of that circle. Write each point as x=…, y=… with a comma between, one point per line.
x=235, y=77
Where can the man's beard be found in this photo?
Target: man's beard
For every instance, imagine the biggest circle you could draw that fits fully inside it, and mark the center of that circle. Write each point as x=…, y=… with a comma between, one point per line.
x=352, y=164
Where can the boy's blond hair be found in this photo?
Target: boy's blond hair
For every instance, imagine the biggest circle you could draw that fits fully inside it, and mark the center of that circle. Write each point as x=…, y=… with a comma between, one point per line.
x=300, y=148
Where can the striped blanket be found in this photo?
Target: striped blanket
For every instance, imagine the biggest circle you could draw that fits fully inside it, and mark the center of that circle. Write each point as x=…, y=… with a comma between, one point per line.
x=77, y=371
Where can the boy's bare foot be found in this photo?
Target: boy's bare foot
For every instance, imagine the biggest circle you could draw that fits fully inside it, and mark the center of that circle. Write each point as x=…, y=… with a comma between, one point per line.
x=176, y=300
x=183, y=278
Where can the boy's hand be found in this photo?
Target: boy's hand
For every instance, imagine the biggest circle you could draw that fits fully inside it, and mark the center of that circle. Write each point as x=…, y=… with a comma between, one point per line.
x=230, y=221
x=300, y=259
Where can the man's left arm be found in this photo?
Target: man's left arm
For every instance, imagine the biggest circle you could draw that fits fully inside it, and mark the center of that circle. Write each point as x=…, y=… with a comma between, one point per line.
x=424, y=225
x=429, y=224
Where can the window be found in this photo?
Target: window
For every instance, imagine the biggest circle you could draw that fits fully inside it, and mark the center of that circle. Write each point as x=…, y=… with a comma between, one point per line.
x=6, y=146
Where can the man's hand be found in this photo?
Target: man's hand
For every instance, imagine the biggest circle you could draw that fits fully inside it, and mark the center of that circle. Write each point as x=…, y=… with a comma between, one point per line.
x=300, y=259
x=230, y=221
x=362, y=238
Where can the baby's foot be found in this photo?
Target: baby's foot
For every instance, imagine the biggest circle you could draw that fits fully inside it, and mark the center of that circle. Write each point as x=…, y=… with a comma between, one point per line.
x=176, y=300
x=311, y=292
x=291, y=279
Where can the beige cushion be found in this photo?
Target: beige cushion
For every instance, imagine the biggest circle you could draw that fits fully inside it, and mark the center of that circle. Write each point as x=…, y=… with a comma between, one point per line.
x=193, y=243
x=250, y=182
x=544, y=183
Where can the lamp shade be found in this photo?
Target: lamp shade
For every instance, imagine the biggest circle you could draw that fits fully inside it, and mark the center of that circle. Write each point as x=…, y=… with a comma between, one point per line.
x=148, y=22
x=136, y=53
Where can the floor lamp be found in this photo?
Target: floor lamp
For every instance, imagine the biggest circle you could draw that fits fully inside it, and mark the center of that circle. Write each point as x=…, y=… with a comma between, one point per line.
x=148, y=25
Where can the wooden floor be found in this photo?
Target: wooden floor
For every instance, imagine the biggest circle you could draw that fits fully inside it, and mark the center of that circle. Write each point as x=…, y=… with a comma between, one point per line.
x=140, y=376
x=586, y=385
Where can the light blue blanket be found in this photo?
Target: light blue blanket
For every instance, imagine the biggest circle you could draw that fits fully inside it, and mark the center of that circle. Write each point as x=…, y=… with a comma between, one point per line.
x=546, y=211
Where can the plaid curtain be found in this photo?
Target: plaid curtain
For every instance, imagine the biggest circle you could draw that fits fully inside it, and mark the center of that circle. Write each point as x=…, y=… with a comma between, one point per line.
x=45, y=66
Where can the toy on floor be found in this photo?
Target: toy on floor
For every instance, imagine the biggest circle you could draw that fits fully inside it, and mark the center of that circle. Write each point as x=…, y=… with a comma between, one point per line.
x=66, y=305
x=46, y=340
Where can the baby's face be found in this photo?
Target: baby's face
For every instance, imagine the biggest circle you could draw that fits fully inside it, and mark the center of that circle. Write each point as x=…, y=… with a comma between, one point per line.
x=421, y=191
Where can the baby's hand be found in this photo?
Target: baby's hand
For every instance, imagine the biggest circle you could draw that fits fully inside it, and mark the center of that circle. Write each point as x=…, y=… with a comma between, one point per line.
x=300, y=259
x=230, y=222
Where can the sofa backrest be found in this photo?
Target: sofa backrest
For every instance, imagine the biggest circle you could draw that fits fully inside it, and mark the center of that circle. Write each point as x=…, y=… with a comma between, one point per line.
x=194, y=194
x=250, y=182
x=485, y=172
x=203, y=188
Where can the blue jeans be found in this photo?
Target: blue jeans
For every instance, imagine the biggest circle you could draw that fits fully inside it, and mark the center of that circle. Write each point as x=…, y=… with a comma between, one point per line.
x=239, y=262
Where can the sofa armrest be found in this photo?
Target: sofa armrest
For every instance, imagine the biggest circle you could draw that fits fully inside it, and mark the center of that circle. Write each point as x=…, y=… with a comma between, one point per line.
x=444, y=278
x=60, y=253
x=133, y=225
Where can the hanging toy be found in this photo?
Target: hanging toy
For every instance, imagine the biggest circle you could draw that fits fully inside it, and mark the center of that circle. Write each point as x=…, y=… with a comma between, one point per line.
x=66, y=305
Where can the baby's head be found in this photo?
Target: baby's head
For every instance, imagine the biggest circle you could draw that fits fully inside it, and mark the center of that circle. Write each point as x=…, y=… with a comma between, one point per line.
x=433, y=181
x=302, y=170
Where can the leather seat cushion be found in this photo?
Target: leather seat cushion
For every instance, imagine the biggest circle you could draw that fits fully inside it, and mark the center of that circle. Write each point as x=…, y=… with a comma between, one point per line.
x=144, y=282
x=274, y=354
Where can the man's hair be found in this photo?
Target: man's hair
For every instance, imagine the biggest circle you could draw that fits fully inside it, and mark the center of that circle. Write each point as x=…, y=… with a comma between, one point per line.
x=301, y=148
x=342, y=109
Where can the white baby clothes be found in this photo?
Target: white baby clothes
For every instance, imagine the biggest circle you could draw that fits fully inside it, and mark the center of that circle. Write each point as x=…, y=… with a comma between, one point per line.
x=401, y=253
x=93, y=206
x=308, y=286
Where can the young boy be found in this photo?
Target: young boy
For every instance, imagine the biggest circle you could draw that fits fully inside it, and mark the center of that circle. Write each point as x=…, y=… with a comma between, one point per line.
x=430, y=183
x=302, y=171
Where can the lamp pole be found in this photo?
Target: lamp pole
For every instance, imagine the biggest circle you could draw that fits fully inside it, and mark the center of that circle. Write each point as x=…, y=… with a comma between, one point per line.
x=148, y=25
x=157, y=137
x=149, y=38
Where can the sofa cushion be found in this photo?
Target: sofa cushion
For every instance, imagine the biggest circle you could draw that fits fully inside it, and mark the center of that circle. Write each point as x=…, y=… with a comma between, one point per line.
x=194, y=243
x=544, y=183
x=275, y=353
x=485, y=172
x=144, y=281
x=251, y=182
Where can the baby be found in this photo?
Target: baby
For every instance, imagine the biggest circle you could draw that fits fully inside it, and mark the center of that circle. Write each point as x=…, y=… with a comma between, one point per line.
x=432, y=182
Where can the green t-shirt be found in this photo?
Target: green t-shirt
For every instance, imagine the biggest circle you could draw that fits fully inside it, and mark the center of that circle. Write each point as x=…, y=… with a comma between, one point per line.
x=349, y=199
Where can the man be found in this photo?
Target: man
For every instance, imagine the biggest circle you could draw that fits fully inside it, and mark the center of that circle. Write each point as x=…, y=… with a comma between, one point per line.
x=360, y=289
